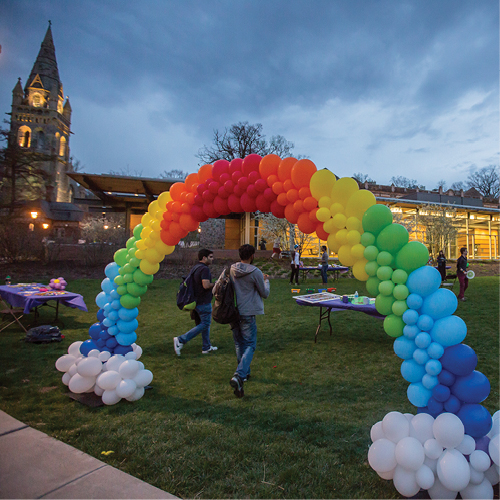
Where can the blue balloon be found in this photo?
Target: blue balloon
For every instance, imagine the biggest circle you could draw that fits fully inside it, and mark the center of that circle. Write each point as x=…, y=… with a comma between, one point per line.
x=411, y=331
x=111, y=342
x=404, y=347
x=414, y=301
x=111, y=270
x=107, y=307
x=94, y=330
x=476, y=419
x=126, y=338
x=424, y=281
x=441, y=393
x=122, y=349
x=114, y=295
x=410, y=317
x=113, y=315
x=433, y=367
x=418, y=395
x=127, y=326
x=107, y=285
x=412, y=371
x=108, y=323
x=439, y=304
x=104, y=335
x=128, y=314
x=425, y=323
x=100, y=315
x=115, y=304
x=107, y=349
x=420, y=356
x=435, y=407
x=435, y=350
x=453, y=404
x=472, y=388
x=102, y=299
x=113, y=330
x=449, y=331
x=87, y=346
x=446, y=378
x=423, y=340
x=100, y=343
x=429, y=381
x=459, y=359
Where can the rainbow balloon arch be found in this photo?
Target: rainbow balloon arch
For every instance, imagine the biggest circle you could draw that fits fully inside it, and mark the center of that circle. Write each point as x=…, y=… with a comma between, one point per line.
x=451, y=445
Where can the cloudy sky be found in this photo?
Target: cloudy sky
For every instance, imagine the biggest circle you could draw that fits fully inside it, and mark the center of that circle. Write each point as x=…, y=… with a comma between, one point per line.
x=386, y=87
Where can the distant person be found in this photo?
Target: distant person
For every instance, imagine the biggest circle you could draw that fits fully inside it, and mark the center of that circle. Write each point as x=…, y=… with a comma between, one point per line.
x=262, y=244
x=203, y=312
x=324, y=266
x=295, y=265
x=462, y=273
x=250, y=286
x=276, y=248
x=441, y=264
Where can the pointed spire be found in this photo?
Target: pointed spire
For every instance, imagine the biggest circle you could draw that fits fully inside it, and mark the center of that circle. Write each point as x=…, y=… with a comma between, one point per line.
x=18, y=89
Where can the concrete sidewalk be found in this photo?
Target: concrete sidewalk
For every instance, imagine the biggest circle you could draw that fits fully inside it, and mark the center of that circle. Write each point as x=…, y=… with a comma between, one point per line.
x=34, y=465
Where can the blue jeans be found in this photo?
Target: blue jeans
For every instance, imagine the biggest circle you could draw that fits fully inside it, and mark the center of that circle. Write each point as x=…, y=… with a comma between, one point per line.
x=205, y=312
x=245, y=341
x=324, y=275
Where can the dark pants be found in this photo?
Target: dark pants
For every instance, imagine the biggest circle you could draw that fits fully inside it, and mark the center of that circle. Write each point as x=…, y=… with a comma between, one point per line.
x=464, y=283
x=442, y=270
x=295, y=273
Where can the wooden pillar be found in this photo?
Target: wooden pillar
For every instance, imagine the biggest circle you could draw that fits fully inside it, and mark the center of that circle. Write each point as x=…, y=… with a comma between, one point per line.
x=247, y=228
x=489, y=234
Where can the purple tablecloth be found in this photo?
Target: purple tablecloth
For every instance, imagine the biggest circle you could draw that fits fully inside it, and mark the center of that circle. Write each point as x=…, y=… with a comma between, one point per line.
x=330, y=268
x=338, y=305
x=21, y=297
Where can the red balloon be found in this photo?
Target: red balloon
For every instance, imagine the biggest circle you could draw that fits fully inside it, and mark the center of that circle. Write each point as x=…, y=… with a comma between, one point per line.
x=224, y=178
x=220, y=204
x=202, y=187
x=282, y=199
x=291, y=215
x=322, y=234
x=198, y=200
x=229, y=186
x=175, y=216
x=198, y=214
x=220, y=167
x=277, y=210
x=188, y=223
x=165, y=224
x=177, y=231
x=236, y=175
x=235, y=165
x=309, y=203
x=251, y=163
x=260, y=185
x=234, y=203
x=209, y=209
x=238, y=190
x=269, y=195
x=243, y=182
x=213, y=187
x=272, y=179
x=263, y=205
x=168, y=238
x=208, y=196
x=305, y=224
x=176, y=190
x=253, y=177
x=247, y=203
x=222, y=193
x=251, y=191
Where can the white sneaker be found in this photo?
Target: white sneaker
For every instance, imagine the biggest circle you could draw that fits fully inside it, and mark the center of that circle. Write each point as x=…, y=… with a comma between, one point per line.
x=177, y=346
x=211, y=348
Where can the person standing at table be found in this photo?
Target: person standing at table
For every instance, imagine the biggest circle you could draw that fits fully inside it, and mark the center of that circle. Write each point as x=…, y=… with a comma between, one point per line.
x=324, y=266
x=441, y=264
x=462, y=273
x=295, y=265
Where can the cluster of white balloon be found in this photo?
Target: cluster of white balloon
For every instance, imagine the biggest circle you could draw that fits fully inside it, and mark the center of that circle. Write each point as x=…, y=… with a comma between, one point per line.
x=435, y=455
x=111, y=377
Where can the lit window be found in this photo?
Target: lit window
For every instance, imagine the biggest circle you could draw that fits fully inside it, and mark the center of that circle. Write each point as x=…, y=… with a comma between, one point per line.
x=62, y=146
x=24, y=136
x=31, y=227
x=37, y=100
x=34, y=215
x=45, y=226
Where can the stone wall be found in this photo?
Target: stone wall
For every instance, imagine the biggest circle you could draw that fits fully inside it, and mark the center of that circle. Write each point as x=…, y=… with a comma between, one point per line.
x=213, y=234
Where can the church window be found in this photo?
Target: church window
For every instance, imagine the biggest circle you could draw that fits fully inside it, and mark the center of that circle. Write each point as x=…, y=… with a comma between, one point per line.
x=24, y=136
x=37, y=100
x=60, y=106
x=62, y=146
x=40, y=140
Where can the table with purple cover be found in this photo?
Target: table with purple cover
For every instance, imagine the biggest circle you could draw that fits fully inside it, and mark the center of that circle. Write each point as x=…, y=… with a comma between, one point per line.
x=26, y=296
x=336, y=270
x=327, y=306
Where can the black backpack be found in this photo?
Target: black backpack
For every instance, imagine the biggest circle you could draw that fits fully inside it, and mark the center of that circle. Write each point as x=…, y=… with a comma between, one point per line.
x=44, y=334
x=225, y=309
x=186, y=300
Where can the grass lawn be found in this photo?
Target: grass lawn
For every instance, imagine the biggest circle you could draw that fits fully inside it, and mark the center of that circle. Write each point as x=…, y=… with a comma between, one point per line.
x=301, y=431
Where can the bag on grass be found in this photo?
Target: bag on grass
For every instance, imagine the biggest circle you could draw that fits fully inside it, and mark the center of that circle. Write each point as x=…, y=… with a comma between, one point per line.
x=225, y=309
x=44, y=334
x=185, y=295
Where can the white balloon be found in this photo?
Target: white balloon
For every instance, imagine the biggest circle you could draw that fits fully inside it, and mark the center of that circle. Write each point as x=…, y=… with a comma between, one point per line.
x=478, y=491
x=382, y=455
x=480, y=460
x=495, y=428
x=139, y=392
x=129, y=368
x=421, y=427
x=387, y=475
x=395, y=426
x=77, y=360
x=93, y=353
x=141, y=365
x=433, y=449
x=410, y=453
x=494, y=449
x=432, y=464
x=91, y=389
x=448, y=430
x=110, y=397
x=492, y=475
x=376, y=432
x=453, y=470
x=476, y=477
x=405, y=482
x=138, y=351
x=131, y=355
x=89, y=367
x=72, y=370
x=408, y=416
x=467, y=446
x=98, y=391
x=79, y=384
x=108, y=380
x=425, y=477
x=114, y=362
x=143, y=378
x=74, y=349
x=64, y=363
x=66, y=378
x=126, y=388
x=104, y=356
x=438, y=491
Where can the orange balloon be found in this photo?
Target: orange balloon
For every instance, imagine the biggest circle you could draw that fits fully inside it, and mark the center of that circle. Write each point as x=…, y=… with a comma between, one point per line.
x=277, y=187
x=306, y=225
x=187, y=222
x=287, y=185
x=168, y=238
x=298, y=206
x=304, y=192
x=190, y=198
x=292, y=195
x=176, y=191
x=302, y=172
x=186, y=208
x=312, y=215
x=282, y=199
x=269, y=166
x=285, y=168
x=190, y=180
x=205, y=173
x=291, y=215
x=176, y=206
x=272, y=179
x=309, y=202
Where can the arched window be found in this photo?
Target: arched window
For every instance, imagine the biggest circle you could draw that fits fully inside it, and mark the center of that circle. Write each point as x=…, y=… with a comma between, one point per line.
x=24, y=136
x=62, y=146
x=37, y=100
x=40, y=140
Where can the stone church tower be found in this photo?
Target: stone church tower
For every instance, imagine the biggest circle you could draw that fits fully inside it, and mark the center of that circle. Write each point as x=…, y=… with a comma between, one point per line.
x=41, y=120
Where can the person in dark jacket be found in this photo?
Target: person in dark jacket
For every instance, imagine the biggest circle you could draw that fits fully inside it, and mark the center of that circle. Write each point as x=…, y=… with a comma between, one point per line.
x=250, y=286
x=441, y=264
x=462, y=273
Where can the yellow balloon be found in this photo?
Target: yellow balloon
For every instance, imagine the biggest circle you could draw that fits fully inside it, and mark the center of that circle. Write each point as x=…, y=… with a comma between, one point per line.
x=164, y=249
x=324, y=201
x=354, y=224
x=336, y=208
x=163, y=199
x=155, y=236
x=140, y=245
x=153, y=207
x=332, y=243
x=322, y=183
x=329, y=226
x=148, y=267
x=146, y=231
x=339, y=220
x=153, y=256
x=140, y=254
x=156, y=226
x=146, y=219
x=353, y=237
x=358, y=269
x=359, y=202
x=345, y=256
x=150, y=243
x=323, y=214
x=341, y=236
x=343, y=189
x=158, y=215
x=357, y=251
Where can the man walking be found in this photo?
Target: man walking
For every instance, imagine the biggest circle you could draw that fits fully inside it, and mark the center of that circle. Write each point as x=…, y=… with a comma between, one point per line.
x=250, y=286
x=202, y=284
x=462, y=273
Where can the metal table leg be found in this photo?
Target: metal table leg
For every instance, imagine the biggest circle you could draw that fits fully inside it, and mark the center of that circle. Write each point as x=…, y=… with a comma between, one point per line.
x=323, y=315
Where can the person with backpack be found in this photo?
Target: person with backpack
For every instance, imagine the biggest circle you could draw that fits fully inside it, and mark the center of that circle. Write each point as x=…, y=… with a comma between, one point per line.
x=250, y=286
x=202, y=288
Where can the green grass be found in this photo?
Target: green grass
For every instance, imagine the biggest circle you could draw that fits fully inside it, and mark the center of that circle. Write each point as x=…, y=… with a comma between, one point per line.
x=301, y=431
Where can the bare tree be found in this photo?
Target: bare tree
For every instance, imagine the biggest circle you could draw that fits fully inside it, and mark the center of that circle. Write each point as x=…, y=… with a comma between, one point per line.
x=272, y=227
x=362, y=178
x=486, y=181
x=126, y=172
x=173, y=174
x=404, y=182
x=441, y=184
x=242, y=139
x=458, y=186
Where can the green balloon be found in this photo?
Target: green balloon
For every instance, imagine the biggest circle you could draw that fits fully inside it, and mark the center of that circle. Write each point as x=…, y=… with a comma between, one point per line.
x=372, y=286
x=384, y=273
x=384, y=259
x=392, y=238
x=134, y=262
x=400, y=292
x=142, y=279
x=131, y=252
x=376, y=218
x=135, y=289
x=120, y=256
x=121, y=270
x=393, y=325
x=386, y=287
x=399, y=307
x=129, y=302
x=412, y=256
x=130, y=242
x=383, y=304
x=371, y=252
x=367, y=239
x=371, y=268
x=399, y=276
x=119, y=280
x=137, y=231
x=122, y=290
x=128, y=278
x=128, y=268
